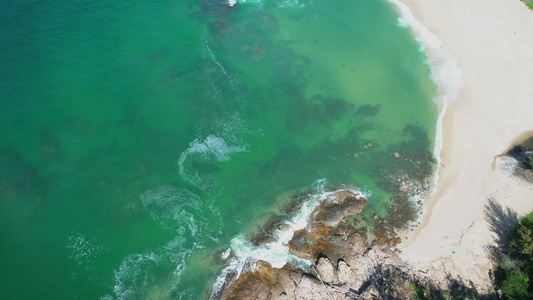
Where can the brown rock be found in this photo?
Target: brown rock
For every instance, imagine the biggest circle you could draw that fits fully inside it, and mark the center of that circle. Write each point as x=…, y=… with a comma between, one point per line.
x=266, y=233
x=298, y=244
x=330, y=214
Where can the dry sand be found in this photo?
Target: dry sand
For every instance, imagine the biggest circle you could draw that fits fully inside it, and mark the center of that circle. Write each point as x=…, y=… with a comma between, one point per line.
x=492, y=42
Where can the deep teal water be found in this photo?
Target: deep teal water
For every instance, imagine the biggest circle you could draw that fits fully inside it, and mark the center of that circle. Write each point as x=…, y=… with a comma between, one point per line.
x=138, y=139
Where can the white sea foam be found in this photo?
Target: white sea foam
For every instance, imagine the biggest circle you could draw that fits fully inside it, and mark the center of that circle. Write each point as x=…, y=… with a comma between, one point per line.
x=168, y=205
x=224, y=131
x=218, y=93
x=444, y=70
x=282, y=3
x=180, y=210
x=195, y=219
x=224, y=255
x=291, y=3
x=277, y=253
x=133, y=276
x=136, y=276
x=220, y=66
x=211, y=148
x=84, y=252
x=233, y=2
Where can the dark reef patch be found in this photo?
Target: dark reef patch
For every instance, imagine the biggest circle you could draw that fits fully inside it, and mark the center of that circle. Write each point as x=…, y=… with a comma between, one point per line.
x=367, y=110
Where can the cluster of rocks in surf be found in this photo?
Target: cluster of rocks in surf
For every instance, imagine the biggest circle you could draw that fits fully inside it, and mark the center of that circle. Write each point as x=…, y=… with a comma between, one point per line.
x=343, y=257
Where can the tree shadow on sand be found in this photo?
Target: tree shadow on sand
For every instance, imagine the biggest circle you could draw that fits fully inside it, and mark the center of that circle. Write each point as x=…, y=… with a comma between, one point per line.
x=501, y=222
x=391, y=283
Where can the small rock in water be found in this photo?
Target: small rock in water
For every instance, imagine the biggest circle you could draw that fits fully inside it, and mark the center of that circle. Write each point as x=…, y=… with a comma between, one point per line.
x=396, y=154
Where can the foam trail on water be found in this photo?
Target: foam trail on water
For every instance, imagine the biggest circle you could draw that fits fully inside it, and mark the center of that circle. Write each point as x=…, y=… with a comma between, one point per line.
x=132, y=277
x=84, y=249
x=195, y=219
x=193, y=216
x=214, y=58
x=445, y=72
x=220, y=66
x=233, y=2
x=85, y=252
x=212, y=147
x=136, y=275
x=277, y=253
x=284, y=3
x=234, y=84
x=292, y=3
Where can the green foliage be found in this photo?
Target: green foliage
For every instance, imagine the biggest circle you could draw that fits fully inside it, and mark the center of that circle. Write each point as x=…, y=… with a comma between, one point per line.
x=529, y=3
x=514, y=278
x=531, y=158
x=515, y=285
x=419, y=289
x=521, y=243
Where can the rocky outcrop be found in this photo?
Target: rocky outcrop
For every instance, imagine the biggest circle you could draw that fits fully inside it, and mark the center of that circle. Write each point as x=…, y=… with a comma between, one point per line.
x=331, y=213
x=328, y=234
x=344, y=273
x=328, y=240
x=326, y=270
x=341, y=281
x=346, y=264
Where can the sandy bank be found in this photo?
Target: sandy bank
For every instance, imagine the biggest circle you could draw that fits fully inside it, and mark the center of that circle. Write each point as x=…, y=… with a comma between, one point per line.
x=492, y=42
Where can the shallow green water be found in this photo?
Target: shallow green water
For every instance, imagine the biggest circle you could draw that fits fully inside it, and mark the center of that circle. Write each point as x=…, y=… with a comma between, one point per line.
x=138, y=139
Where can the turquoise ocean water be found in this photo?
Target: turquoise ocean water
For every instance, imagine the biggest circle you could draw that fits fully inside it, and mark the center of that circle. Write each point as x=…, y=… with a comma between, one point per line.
x=139, y=139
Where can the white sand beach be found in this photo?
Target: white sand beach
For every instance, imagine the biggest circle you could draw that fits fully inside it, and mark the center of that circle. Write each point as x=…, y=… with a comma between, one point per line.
x=492, y=42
